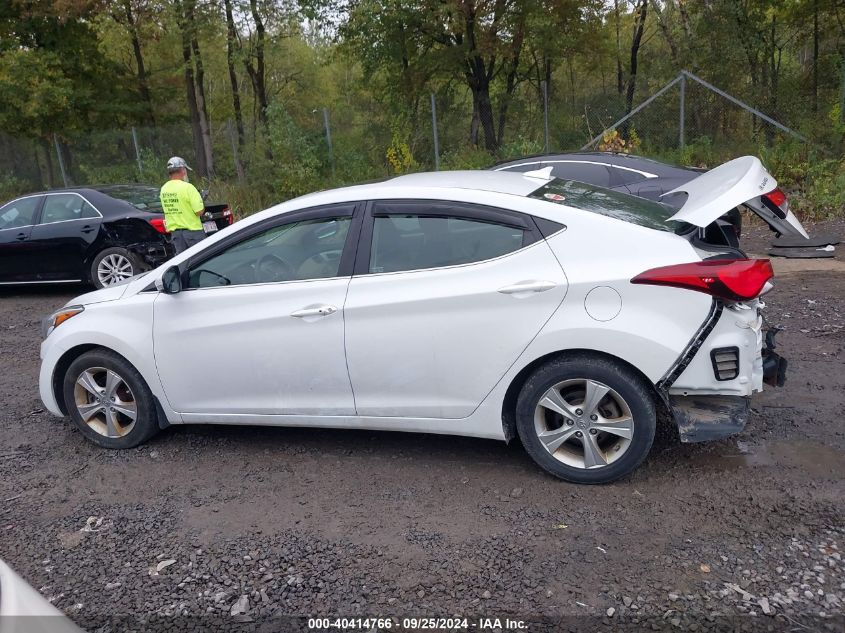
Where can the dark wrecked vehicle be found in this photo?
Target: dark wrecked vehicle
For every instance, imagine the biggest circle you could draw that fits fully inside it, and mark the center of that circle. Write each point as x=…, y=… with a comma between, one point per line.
x=653, y=180
x=100, y=235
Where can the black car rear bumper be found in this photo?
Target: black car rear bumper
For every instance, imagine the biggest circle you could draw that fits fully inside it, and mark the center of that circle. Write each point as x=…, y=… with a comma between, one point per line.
x=153, y=254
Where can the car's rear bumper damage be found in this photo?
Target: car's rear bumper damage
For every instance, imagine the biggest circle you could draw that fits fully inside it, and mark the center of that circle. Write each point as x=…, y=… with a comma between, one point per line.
x=705, y=418
x=708, y=389
x=152, y=254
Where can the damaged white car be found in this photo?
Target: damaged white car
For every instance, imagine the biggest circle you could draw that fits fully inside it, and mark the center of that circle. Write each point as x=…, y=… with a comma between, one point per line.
x=486, y=304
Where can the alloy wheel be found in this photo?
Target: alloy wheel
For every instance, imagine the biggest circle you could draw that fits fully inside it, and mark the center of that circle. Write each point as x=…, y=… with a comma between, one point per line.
x=114, y=268
x=105, y=402
x=584, y=423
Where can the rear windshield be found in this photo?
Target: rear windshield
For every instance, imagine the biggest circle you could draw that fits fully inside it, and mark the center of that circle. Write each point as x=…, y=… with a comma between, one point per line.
x=139, y=196
x=622, y=206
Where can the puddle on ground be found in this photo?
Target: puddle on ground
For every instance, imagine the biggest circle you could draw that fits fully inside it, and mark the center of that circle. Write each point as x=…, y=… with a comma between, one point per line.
x=817, y=460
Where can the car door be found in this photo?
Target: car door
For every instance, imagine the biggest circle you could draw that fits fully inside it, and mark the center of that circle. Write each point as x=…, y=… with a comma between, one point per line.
x=61, y=240
x=17, y=261
x=258, y=326
x=445, y=298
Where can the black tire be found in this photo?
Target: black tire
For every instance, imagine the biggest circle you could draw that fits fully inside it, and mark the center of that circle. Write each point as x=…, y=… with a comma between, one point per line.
x=146, y=418
x=622, y=380
x=133, y=260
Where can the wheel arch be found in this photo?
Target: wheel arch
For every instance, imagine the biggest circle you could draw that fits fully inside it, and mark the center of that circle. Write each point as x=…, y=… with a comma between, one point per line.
x=512, y=392
x=64, y=363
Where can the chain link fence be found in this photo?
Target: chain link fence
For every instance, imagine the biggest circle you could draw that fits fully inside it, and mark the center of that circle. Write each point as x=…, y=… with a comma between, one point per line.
x=301, y=150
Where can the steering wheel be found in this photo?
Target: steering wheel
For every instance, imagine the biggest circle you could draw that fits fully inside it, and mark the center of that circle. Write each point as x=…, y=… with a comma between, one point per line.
x=272, y=268
x=320, y=265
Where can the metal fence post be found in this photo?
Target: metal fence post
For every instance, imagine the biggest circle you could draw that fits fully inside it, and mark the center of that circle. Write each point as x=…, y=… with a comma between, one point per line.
x=137, y=152
x=545, y=117
x=328, y=137
x=61, y=160
x=434, y=134
x=682, y=119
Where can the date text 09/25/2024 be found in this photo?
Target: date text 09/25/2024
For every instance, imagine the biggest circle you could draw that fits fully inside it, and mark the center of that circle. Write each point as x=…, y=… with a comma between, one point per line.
x=418, y=624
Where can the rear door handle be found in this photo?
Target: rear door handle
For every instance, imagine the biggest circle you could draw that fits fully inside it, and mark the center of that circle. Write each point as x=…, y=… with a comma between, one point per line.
x=87, y=228
x=526, y=287
x=314, y=311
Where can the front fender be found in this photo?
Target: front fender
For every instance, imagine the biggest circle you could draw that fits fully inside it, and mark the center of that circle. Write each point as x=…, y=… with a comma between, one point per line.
x=124, y=327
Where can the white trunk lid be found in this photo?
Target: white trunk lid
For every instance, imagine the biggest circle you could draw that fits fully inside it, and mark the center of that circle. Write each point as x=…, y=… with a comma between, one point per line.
x=740, y=181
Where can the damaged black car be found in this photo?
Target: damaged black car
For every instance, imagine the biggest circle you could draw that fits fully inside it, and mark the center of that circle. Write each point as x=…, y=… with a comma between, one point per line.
x=97, y=235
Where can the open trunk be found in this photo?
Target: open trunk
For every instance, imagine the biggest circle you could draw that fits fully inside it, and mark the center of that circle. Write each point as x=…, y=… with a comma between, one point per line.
x=715, y=197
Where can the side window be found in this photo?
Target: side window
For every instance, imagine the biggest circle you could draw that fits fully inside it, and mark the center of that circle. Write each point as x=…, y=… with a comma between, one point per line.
x=66, y=206
x=582, y=172
x=414, y=242
x=310, y=249
x=19, y=213
x=625, y=176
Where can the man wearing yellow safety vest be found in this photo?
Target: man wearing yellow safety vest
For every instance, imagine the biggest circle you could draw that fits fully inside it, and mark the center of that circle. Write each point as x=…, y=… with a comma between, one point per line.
x=182, y=205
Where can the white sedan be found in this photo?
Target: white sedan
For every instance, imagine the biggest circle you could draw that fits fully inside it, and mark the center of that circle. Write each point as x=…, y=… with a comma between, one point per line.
x=485, y=304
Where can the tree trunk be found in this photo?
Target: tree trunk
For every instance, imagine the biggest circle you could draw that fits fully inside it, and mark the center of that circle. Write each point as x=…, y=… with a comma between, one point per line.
x=815, y=56
x=639, y=26
x=667, y=34
x=256, y=73
x=483, y=109
x=46, y=167
x=143, y=85
x=231, y=41
x=205, y=127
x=191, y=93
x=619, y=82
x=478, y=75
x=511, y=78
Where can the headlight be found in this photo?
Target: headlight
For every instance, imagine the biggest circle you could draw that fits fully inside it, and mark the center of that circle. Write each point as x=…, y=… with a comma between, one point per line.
x=50, y=323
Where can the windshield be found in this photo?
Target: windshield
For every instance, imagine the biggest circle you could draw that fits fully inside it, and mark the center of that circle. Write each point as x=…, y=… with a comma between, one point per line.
x=622, y=206
x=141, y=197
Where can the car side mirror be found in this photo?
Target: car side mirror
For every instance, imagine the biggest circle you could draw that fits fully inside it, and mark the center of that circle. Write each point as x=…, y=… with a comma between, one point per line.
x=170, y=282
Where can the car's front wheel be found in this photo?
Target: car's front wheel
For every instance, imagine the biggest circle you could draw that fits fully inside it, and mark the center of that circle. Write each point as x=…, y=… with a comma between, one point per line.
x=586, y=419
x=114, y=265
x=109, y=401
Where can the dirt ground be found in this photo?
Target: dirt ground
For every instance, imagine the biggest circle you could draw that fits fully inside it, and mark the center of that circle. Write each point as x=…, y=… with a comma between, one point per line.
x=241, y=529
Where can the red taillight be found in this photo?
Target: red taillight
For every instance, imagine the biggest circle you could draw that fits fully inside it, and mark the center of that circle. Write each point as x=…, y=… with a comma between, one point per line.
x=227, y=213
x=158, y=225
x=731, y=279
x=777, y=196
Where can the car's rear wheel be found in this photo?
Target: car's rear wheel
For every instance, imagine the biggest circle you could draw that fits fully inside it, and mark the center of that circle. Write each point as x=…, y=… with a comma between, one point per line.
x=114, y=265
x=586, y=419
x=109, y=401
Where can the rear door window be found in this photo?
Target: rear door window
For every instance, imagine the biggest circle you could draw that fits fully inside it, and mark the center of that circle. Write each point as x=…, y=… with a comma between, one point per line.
x=61, y=207
x=417, y=240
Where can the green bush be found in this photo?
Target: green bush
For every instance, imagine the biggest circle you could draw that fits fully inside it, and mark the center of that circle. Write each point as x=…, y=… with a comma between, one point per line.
x=467, y=157
x=11, y=187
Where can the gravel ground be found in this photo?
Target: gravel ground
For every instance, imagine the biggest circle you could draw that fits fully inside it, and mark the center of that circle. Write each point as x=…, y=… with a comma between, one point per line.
x=242, y=529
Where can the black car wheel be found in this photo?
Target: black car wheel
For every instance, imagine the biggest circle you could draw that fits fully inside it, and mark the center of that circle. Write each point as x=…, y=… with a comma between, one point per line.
x=114, y=265
x=586, y=419
x=109, y=401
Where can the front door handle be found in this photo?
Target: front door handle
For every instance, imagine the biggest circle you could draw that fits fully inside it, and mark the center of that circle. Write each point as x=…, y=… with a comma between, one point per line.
x=314, y=311
x=20, y=236
x=527, y=287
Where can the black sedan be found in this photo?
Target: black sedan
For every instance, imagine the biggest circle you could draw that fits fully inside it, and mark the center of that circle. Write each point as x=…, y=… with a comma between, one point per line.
x=652, y=179
x=98, y=235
